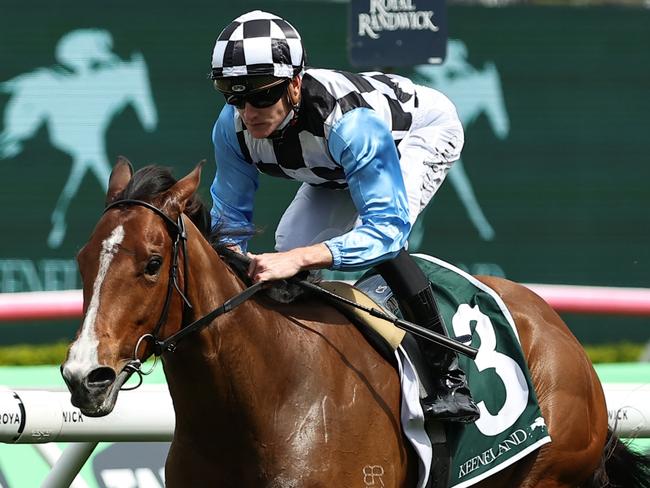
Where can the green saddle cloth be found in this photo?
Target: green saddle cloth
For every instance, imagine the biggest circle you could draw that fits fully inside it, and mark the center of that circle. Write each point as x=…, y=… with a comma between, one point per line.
x=511, y=424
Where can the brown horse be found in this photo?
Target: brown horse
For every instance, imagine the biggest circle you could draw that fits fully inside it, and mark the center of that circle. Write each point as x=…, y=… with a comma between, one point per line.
x=291, y=395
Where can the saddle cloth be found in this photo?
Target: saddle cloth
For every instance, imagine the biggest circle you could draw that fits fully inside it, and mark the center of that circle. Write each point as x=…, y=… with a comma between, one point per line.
x=511, y=424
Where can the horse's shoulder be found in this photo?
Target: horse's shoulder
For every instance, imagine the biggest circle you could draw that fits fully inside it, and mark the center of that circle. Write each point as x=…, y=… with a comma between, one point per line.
x=327, y=324
x=308, y=310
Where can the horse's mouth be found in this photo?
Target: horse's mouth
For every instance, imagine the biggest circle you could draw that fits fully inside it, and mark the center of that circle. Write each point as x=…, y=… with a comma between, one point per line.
x=99, y=402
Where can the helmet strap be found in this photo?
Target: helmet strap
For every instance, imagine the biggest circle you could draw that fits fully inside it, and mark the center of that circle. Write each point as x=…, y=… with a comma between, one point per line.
x=295, y=107
x=290, y=120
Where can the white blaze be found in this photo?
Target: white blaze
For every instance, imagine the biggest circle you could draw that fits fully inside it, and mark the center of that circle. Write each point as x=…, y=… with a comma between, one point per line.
x=83, y=353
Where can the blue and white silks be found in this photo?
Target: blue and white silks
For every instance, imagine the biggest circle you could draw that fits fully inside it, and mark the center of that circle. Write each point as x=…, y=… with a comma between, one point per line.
x=363, y=146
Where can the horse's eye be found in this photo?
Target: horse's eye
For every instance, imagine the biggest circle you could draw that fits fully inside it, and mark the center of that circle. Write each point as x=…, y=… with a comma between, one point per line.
x=153, y=266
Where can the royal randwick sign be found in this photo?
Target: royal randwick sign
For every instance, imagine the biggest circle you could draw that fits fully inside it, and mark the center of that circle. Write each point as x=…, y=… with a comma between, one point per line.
x=386, y=33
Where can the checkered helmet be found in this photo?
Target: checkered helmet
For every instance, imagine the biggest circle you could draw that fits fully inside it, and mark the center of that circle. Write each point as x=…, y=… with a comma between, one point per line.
x=258, y=44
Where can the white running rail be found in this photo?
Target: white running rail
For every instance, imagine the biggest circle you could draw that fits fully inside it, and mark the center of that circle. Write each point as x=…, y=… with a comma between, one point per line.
x=147, y=414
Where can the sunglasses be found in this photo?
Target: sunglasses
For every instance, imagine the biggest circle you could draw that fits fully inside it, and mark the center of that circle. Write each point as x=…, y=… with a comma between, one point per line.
x=259, y=99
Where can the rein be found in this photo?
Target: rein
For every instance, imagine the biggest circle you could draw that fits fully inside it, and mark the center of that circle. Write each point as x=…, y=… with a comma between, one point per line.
x=416, y=329
x=179, y=235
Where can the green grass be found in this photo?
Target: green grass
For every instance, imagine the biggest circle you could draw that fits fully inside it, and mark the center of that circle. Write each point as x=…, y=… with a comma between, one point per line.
x=32, y=355
x=25, y=354
x=624, y=352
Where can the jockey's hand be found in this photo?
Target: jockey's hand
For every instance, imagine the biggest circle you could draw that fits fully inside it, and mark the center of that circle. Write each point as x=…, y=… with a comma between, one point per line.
x=273, y=266
x=281, y=265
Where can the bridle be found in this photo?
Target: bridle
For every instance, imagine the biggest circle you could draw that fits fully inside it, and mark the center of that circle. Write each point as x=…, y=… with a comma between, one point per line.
x=179, y=238
x=179, y=241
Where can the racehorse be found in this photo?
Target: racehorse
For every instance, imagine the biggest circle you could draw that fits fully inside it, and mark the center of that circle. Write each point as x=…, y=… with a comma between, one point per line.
x=289, y=395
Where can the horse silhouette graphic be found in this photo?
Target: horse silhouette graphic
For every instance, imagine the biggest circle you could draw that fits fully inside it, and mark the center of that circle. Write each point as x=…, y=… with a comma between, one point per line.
x=474, y=92
x=77, y=100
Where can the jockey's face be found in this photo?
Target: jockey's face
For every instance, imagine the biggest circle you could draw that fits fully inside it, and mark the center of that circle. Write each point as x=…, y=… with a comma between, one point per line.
x=261, y=122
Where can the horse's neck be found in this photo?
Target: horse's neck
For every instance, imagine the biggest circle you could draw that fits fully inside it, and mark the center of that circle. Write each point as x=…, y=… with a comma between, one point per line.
x=211, y=281
x=246, y=379
x=210, y=365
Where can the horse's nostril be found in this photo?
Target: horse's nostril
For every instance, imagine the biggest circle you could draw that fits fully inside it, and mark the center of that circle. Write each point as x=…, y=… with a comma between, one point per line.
x=100, y=377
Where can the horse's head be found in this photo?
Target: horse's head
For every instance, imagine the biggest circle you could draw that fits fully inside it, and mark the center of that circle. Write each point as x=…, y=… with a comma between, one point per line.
x=126, y=270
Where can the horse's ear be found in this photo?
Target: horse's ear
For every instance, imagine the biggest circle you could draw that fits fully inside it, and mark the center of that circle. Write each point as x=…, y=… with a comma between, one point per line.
x=176, y=198
x=120, y=177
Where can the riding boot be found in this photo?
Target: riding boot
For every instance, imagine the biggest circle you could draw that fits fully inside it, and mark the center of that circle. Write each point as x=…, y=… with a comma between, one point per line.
x=449, y=397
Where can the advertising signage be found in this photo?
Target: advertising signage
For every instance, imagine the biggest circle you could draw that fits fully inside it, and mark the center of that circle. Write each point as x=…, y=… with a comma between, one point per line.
x=397, y=32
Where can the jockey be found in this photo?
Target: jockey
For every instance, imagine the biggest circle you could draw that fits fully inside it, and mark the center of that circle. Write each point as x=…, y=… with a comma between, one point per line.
x=370, y=150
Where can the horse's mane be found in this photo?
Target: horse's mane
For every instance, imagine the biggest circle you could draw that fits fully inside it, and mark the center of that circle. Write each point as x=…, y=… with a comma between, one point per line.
x=150, y=182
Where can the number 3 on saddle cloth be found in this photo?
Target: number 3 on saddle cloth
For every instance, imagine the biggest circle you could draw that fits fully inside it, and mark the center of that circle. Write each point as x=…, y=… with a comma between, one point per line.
x=511, y=424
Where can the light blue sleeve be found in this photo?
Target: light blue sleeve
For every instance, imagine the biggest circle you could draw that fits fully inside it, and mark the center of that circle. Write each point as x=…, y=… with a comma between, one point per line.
x=362, y=143
x=235, y=182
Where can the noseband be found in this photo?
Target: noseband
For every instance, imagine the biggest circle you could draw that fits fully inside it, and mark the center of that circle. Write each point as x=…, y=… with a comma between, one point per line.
x=179, y=241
